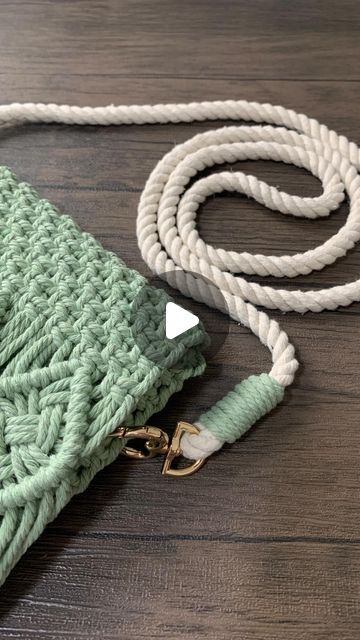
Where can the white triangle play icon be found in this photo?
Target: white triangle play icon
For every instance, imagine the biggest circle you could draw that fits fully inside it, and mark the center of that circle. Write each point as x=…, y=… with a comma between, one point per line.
x=178, y=320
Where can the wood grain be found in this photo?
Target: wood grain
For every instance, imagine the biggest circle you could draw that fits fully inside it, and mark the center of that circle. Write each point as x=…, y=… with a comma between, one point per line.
x=264, y=543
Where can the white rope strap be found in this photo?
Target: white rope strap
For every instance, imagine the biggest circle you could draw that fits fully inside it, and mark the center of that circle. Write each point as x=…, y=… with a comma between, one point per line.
x=170, y=243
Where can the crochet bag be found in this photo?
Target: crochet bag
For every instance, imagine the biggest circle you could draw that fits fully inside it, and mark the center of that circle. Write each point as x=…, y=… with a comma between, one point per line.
x=71, y=370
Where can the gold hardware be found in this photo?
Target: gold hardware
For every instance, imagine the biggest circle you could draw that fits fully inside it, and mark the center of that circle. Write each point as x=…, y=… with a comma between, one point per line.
x=157, y=442
x=174, y=451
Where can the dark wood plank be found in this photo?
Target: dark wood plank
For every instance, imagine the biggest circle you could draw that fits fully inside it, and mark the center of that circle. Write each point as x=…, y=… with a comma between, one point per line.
x=158, y=38
x=263, y=544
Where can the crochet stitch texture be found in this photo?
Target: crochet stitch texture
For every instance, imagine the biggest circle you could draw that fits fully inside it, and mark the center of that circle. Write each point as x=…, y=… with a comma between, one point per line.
x=71, y=371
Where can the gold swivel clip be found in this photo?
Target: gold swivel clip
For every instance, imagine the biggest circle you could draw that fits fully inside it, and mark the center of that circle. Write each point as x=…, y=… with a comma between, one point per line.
x=157, y=442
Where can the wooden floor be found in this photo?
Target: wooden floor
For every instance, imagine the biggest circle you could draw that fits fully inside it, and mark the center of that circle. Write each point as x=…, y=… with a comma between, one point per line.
x=264, y=542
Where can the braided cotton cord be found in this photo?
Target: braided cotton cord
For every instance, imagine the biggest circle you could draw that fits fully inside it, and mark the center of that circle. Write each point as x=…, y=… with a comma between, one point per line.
x=169, y=240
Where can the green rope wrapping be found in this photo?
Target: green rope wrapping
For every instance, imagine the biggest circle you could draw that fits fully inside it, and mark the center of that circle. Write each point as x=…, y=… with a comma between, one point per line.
x=70, y=369
x=232, y=416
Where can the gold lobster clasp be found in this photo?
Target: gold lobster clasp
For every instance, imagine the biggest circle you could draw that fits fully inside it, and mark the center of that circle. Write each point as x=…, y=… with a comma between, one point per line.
x=157, y=442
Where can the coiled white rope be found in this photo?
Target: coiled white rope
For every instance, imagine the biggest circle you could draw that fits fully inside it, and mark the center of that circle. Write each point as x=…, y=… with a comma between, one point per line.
x=166, y=224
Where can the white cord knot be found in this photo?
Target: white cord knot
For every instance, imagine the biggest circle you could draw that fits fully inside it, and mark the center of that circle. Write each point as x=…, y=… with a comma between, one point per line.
x=198, y=446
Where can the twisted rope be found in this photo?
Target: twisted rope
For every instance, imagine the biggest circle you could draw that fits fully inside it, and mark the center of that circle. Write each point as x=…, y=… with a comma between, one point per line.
x=166, y=228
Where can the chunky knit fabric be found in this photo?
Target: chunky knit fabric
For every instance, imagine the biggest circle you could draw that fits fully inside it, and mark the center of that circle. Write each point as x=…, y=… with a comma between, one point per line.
x=71, y=371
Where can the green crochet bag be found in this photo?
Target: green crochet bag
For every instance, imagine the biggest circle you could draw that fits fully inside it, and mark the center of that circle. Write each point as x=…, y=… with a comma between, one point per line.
x=71, y=371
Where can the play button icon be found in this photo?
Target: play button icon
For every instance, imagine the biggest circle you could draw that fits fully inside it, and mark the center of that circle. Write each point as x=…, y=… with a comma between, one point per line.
x=178, y=320
x=167, y=333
